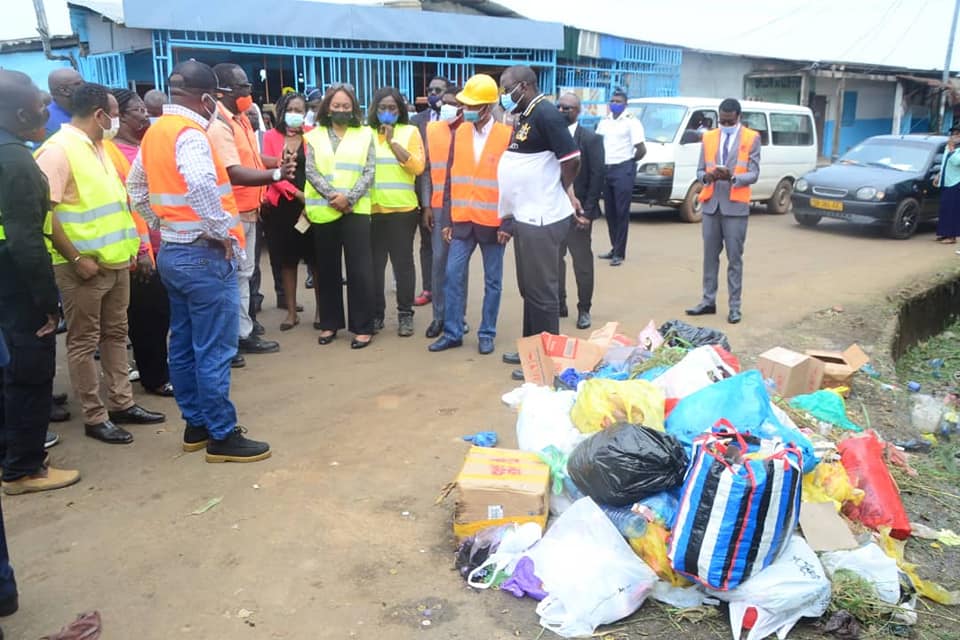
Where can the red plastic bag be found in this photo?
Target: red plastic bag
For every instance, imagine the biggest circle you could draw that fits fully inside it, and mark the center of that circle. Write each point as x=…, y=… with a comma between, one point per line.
x=732, y=361
x=862, y=457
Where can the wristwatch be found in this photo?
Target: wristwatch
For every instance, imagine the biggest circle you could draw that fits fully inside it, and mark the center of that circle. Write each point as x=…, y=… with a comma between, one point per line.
x=277, y=175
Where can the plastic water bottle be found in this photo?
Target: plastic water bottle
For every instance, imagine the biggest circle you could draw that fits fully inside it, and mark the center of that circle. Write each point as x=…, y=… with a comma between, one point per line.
x=628, y=523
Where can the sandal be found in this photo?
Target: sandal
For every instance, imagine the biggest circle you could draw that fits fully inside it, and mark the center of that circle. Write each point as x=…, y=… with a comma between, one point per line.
x=286, y=326
x=322, y=339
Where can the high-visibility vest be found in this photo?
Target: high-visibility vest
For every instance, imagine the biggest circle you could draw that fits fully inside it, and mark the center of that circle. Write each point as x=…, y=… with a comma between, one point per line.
x=122, y=165
x=393, y=186
x=99, y=224
x=341, y=169
x=248, y=198
x=439, y=139
x=711, y=146
x=168, y=189
x=474, y=191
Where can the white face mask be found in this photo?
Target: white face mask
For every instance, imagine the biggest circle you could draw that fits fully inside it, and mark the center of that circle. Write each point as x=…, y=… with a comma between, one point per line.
x=111, y=133
x=310, y=119
x=448, y=112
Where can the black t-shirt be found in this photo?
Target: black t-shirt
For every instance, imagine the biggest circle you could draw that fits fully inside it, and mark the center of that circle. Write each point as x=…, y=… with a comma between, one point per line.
x=541, y=127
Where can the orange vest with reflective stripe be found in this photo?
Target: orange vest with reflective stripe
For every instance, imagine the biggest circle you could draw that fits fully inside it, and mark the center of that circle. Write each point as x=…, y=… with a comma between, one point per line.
x=439, y=137
x=122, y=165
x=248, y=198
x=168, y=189
x=474, y=191
x=711, y=147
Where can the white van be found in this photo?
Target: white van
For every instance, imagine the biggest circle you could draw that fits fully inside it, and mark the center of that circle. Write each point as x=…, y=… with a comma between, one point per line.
x=667, y=174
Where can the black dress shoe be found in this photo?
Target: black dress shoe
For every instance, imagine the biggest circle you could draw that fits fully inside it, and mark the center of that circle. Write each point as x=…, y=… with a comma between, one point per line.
x=360, y=344
x=564, y=312
x=616, y=261
x=108, y=432
x=8, y=607
x=443, y=344
x=511, y=357
x=256, y=344
x=238, y=362
x=517, y=374
x=583, y=320
x=434, y=330
x=606, y=256
x=164, y=390
x=325, y=340
x=377, y=325
x=60, y=398
x=734, y=317
x=58, y=413
x=136, y=415
x=258, y=329
x=702, y=309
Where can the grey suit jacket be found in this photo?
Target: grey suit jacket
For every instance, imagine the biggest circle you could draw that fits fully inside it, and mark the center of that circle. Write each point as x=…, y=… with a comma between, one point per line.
x=720, y=201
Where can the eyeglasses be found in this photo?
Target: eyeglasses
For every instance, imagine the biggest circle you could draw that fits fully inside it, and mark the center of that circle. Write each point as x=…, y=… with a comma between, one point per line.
x=341, y=85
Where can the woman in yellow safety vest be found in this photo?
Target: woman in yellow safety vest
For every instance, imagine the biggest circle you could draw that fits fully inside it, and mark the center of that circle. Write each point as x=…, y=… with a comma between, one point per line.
x=400, y=159
x=340, y=165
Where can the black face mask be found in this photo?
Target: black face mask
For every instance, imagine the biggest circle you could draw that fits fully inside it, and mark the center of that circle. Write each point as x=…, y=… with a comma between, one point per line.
x=341, y=117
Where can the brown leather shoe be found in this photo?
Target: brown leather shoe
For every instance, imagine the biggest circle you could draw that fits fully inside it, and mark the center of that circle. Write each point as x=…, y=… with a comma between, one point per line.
x=47, y=479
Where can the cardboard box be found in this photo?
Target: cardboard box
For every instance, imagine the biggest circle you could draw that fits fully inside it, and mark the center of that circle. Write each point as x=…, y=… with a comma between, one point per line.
x=840, y=366
x=824, y=528
x=545, y=356
x=793, y=373
x=536, y=364
x=500, y=486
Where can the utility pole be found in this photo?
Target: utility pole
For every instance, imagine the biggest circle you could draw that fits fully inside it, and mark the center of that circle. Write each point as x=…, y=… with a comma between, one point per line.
x=44, y=30
x=946, y=64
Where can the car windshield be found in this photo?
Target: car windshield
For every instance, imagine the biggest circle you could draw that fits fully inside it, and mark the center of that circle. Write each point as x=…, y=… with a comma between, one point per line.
x=660, y=121
x=900, y=155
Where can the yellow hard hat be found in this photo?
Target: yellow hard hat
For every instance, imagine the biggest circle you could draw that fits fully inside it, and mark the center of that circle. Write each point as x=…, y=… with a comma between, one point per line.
x=480, y=89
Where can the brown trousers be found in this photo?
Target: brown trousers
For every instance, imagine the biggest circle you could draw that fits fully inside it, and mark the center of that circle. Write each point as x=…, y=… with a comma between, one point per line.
x=96, y=313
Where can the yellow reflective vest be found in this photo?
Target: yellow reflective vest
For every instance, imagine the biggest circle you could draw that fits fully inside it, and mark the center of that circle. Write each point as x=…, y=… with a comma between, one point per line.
x=341, y=169
x=394, y=186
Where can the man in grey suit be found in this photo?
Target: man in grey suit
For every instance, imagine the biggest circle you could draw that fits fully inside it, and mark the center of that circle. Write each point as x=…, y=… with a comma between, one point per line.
x=729, y=164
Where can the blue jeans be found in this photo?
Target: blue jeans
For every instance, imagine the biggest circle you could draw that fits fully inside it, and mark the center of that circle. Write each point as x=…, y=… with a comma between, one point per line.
x=204, y=326
x=455, y=287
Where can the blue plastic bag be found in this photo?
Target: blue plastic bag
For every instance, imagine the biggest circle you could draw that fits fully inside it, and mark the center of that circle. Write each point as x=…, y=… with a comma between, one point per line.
x=743, y=401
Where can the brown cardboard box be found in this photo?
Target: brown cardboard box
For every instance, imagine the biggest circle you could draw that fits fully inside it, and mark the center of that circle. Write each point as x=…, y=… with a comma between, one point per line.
x=792, y=372
x=839, y=366
x=500, y=486
x=545, y=356
x=537, y=366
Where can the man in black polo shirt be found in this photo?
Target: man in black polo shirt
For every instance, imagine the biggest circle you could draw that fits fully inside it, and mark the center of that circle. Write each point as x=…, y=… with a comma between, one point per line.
x=536, y=176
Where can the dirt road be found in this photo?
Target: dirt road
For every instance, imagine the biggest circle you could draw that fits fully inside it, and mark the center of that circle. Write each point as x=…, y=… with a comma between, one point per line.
x=337, y=535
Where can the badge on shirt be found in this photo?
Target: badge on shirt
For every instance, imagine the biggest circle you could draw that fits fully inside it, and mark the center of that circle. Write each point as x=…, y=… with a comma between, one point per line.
x=523, y=132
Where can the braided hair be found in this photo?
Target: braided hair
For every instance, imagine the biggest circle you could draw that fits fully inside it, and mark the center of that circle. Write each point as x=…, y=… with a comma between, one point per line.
x=123, y=96
x=281, y=109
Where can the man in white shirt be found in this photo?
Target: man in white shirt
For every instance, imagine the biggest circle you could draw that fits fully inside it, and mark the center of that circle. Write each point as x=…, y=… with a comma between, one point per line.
x=623, y=146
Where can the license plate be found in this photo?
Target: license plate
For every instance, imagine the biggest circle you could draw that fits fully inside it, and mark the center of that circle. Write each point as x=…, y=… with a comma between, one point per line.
x=829, y=205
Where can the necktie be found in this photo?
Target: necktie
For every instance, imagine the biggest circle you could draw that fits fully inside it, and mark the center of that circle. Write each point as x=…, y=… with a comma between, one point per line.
x=723, y=151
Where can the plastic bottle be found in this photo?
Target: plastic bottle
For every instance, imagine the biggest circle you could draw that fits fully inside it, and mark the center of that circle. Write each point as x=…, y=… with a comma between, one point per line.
x=926, y=412
x=629, y=524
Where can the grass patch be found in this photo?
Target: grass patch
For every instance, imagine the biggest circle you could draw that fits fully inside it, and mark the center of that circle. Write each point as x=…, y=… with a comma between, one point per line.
x=922, y=362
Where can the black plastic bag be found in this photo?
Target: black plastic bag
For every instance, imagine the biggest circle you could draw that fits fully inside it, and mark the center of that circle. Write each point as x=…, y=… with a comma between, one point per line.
x=677, y=333
x=626, y=463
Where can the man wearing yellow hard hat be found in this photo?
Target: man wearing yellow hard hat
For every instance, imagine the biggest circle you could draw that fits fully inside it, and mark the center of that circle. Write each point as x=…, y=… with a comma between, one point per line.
x=473, y=193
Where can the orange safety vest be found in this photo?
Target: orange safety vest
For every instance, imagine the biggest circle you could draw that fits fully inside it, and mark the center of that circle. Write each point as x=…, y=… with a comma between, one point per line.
x=168, y=189
x=248, y=198
x=474, y=191
x=439, y=137
x=122, y=165
x=711, y=146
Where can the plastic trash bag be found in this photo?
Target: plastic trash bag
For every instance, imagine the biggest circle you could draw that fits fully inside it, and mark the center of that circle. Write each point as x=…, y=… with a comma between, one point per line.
x=870, y=563
x=601, y=403
x=744, y=402
x=515, y=539
x=589, y=571
x=652, y=547
x=649, y=338
x=544, y=420
x=825, y=406
x=677, y=333
x=626, y=463
x=522, y=582
x=862, y=457
x=795, y=586
x=829, y=483
x=700, y=368
x=927, y=589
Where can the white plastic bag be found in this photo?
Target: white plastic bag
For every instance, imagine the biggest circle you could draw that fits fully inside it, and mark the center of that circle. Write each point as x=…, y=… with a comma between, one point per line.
x=700, y=368
x=515, y=540
x=544, y=420
x=870, y=563
x=795, y=586
x=590, y=573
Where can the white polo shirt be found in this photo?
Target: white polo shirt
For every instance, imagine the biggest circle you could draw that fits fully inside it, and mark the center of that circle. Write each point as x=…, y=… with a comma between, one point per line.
x=620, y=137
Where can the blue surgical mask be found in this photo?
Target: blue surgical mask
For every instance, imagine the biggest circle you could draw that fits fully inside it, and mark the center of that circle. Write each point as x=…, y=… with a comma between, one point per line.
x=729, y=131
x=616, y=108
x=387, y=117
x=507, y=101
x=471, y=116
x=293, y=120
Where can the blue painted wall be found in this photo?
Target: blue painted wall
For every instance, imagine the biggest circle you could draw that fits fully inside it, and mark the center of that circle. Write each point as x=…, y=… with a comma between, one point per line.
x=140, y=66
x=852, y=135
x=35, y=64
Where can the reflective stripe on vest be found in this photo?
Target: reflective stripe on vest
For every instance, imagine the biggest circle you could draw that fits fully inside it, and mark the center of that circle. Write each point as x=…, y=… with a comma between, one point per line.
x=245, y=139
x=439, y=139
x=341, y=169
x=393, y=186
x=166, y=186
x=474, y=191
x=711, y=147
x=99, y=224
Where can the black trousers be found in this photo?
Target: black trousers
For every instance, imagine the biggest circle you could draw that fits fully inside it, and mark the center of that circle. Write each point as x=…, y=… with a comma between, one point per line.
x=392, y=236
x=578, y=242
x=426, y=256
x=148, y=317
x=26, y=385
x=256, y=298
x=349, y=237
x=617, y=196
x=537, y=252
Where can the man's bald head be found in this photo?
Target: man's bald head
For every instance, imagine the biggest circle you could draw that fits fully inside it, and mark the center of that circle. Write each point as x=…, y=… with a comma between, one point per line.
x=522, y=73
x=62, y=83
x=21, y=107
x=154, y=101
x=522, y=78
x=193, y=85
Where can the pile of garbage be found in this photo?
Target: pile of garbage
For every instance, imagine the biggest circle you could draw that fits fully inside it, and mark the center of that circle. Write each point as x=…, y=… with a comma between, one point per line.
x=668, y=472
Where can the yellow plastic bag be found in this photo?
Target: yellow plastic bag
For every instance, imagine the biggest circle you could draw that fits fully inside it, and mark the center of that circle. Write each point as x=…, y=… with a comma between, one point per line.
x=652, y=549
x=828, y=482
x=930, y=590
x=603, y=402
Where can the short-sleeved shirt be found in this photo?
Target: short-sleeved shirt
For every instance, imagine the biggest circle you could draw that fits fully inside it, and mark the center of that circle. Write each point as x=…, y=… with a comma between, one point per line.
x=531, y=189
x=620, y=137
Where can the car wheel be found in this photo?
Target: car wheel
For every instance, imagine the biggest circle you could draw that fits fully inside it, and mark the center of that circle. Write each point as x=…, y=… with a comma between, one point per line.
x=691, y=210
x=780, y=202
x=905, y=220
x=807, y=219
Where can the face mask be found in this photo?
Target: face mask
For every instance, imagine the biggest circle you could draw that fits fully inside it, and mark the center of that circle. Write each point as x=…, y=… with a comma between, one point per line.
x=294, y=120
x=341, y=117
x=310, y=119
x=729, y=131
x=244, y=103
x=387, y=117
x=111, y=132
x=153, y=119
x=616, y=108
x=509, y=104
x=471, y=116
x=448, y=112
x=212, y=111
x=434, y=101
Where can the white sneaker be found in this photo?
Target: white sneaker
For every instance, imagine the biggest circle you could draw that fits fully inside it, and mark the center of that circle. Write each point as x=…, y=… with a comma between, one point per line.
x=132, y=374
